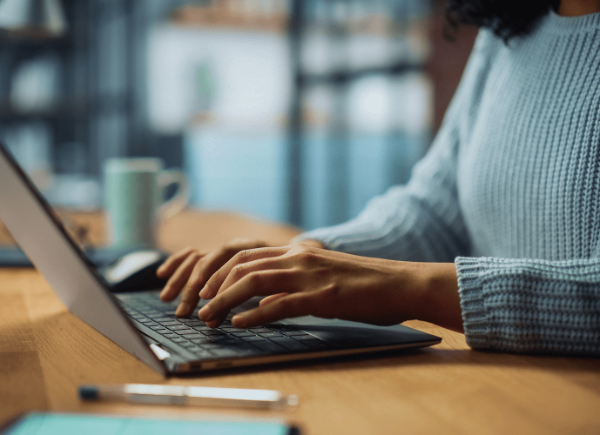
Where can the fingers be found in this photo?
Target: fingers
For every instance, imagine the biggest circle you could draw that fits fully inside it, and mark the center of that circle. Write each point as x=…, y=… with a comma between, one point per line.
x=203, y=269
x=236, y=268
x=193, y=280
x=180, y=277
x=272, y=298
x=172, y=263
x=262, y=283
x=283, y=307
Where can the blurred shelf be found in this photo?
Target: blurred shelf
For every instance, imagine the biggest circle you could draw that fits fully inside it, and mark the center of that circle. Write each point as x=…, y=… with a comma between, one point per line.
x=68, y=109
x=232, y=15
x=56, y=112
x=345, y=76
x=16, y=40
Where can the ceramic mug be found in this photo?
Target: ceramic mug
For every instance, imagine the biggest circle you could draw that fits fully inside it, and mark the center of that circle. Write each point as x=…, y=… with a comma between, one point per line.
x=135, y=200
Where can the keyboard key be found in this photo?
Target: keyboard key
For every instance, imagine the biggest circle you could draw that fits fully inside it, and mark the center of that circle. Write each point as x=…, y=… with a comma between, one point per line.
x=231, y=329
x=147, y=321
x=270, y=334
x=171, y=323
x=295, y=333
x=259, y=330
x=177, y=327
x=201, y=340
x=179, y=340
x=281, y=327
x=170, y=335
x=202, y=328
x=189, y=333
x=150, y=313
x=252, y=338
x=224, y=338
x=195, y=323
x=161, y=330
x=214, y=333
x=160, y=319
x=243, y=334
x=187, y=321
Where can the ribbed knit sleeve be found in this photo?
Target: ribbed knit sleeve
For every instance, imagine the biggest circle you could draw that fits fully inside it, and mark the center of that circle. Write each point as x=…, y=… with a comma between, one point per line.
x=531, y=306
x=421, y=221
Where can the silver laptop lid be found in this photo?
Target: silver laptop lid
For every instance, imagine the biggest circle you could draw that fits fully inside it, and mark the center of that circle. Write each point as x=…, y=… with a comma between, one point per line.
x=43, y=238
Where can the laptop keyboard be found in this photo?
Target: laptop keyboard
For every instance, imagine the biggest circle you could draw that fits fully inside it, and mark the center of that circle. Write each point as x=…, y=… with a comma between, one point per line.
x=207, y=343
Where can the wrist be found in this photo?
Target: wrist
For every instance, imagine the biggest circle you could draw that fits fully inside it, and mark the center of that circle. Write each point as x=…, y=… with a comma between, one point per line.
x=439, y=299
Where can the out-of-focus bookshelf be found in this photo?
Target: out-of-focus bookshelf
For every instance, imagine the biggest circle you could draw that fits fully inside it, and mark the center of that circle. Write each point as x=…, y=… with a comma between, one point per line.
x=234, y=14
x=336, y=50
x=94, y=104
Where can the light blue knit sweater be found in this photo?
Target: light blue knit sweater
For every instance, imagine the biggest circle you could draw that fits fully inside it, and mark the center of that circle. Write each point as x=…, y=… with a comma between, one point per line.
x=510, y=191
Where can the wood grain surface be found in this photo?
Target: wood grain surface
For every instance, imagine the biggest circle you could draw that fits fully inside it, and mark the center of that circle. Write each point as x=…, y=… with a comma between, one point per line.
x=46, y=353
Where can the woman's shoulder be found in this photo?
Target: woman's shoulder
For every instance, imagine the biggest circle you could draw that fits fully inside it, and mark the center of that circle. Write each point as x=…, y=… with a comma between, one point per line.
x=487, y=44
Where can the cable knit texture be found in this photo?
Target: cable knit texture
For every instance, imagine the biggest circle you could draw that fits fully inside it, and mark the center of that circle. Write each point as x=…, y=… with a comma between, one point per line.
x=509, y=190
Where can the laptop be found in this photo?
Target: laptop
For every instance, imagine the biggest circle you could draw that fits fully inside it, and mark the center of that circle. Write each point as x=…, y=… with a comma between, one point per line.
x=147, y=328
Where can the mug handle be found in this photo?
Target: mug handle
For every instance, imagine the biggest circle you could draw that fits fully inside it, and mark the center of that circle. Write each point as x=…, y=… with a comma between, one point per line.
x=176, y=204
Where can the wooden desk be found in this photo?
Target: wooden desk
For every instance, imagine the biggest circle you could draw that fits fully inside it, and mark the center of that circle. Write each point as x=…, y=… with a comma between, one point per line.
x=45, y=353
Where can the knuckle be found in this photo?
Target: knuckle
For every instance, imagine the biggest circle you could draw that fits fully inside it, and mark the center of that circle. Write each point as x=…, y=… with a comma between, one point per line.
x=238, y=272
x=242, y=256
x=306, y=257
x=185, y=251
x=254, y=279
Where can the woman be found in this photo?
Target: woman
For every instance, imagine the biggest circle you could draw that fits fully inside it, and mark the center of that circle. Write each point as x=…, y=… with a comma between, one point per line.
x=500, y=221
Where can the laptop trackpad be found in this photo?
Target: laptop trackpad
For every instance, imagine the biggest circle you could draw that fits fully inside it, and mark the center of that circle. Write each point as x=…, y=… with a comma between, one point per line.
x=369, y=335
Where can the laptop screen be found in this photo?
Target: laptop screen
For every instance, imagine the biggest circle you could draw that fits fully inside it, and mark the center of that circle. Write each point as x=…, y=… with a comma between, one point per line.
x=39, y=233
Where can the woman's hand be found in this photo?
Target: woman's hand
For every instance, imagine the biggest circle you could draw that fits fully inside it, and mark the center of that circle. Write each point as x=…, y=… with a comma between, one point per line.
x=300, y=280
x=188, y=270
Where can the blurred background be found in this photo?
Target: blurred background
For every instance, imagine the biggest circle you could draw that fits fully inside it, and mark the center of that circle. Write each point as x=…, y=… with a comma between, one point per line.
x=295, y=111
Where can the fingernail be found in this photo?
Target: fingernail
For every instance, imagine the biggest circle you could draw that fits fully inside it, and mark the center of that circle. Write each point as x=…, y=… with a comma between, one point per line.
x=239, y=320
x=205, y=314
x=183, y=309
x=164, y=292
x=203, y=292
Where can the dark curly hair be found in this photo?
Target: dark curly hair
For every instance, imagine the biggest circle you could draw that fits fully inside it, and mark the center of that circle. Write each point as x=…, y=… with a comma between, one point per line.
x=506, y=18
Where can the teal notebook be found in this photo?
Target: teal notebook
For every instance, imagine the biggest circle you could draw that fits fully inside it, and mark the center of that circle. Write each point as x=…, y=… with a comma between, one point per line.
x=79, y=424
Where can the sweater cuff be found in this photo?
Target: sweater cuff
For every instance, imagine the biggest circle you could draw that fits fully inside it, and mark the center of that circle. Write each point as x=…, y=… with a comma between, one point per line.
x=474, y=313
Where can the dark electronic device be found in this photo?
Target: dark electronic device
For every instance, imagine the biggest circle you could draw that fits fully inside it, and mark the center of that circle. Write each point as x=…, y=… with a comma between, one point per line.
x=135, y=271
